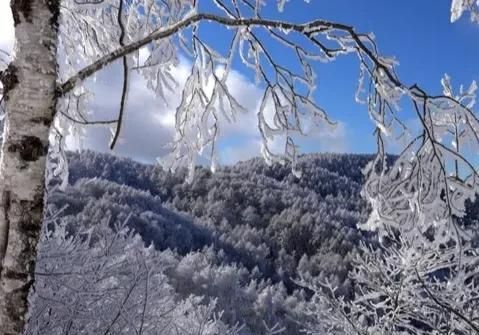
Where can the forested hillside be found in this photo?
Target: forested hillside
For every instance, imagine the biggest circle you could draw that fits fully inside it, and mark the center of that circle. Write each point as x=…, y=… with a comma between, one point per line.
x=240, y=237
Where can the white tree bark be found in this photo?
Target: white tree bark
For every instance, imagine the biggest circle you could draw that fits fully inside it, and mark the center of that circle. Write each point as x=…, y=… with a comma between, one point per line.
x=30, y=93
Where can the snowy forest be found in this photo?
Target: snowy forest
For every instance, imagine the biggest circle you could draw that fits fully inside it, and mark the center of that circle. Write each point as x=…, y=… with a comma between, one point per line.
x=241, y=239
x=237, y=249
x=94, y=242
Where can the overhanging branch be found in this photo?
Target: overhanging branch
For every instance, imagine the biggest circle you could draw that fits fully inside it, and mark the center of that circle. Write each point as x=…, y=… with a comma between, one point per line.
x=306, y=29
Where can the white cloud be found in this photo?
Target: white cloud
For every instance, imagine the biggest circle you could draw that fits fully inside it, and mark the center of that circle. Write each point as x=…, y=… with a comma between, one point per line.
x=147, y=126
x=241, y=151
x=326, y=139
x=149, y=122
x=247, y=145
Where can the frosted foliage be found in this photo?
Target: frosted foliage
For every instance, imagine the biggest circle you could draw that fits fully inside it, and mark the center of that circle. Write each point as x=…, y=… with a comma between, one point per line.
x=402, y=291
x=458, y=8
x=205, y=100
x=288, y=110
x=90, y=30
x=433, y=177
x=74, y=106
x=105, y=280
x=421, y=276
x=415, y=198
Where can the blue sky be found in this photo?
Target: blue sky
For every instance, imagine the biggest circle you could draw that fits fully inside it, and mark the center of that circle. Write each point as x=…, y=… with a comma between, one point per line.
x=417, y=32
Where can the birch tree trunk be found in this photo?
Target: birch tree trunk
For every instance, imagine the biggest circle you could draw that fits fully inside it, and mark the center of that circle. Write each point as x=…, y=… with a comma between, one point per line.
x=30, y=93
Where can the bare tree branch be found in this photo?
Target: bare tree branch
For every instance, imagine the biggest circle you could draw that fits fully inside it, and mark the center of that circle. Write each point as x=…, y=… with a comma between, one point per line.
x=88, y=122
x=446, y=306
x=124, y=90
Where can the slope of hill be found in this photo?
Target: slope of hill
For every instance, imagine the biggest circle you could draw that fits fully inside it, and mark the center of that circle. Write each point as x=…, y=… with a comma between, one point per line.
x=243, y=235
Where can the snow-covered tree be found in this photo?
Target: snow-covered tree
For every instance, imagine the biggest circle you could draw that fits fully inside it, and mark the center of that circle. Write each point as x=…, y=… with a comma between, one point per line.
x=105, y=281
x=59, y=44
x=422, y=276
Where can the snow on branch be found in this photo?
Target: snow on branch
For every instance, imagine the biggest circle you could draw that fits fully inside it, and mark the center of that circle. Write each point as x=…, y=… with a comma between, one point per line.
x=460, y=6
x=289, y=94
x=103, y=280
x=288, y=106
x=402, y=290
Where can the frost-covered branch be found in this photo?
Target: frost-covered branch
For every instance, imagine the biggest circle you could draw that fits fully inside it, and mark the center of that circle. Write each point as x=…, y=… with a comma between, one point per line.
x=420, y=188
x=420, y=278
x=283, y=92
x=310, y=29
x=403, y=290
x=460, y=6
x=105, y=281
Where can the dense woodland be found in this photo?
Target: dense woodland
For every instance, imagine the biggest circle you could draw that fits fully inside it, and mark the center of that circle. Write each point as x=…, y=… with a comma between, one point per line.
x=235, y=243
x=240, y=238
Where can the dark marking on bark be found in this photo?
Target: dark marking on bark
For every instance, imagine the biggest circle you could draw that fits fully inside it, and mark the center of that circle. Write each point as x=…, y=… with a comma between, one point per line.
x=23, y=273
x=16, y=311
x=15, y=275
x=29, y=148
x=14, y=314
x=21, y=9
x=54, y=7
x=31, y=211
x=48, y=44
x=46, y=121
x=9, y=79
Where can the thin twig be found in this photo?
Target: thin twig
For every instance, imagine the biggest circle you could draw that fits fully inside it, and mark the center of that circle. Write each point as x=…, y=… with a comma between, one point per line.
x=124, y=90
